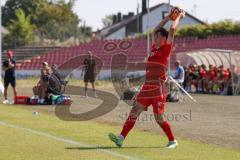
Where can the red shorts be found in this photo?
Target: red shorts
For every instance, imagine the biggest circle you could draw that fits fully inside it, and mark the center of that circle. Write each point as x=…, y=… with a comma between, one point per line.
x=154, y=95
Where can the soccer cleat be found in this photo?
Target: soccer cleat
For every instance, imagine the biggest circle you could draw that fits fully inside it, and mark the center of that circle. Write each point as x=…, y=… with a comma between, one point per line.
x=172, y=144
x=95, y=95
x=86, y=95
x=116, y=139
x=6, y=102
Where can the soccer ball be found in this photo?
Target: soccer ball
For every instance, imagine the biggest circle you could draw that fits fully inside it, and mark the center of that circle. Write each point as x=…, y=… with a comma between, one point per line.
x=175, y=11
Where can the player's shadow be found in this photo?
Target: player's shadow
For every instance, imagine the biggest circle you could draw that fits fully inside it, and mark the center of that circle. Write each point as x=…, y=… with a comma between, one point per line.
x=110, y=147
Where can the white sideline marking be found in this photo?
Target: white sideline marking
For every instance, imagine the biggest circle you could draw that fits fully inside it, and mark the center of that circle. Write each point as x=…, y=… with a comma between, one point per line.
x=69, y=141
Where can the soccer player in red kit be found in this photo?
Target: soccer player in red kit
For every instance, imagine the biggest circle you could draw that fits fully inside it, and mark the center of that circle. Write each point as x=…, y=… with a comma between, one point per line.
x=153, y=91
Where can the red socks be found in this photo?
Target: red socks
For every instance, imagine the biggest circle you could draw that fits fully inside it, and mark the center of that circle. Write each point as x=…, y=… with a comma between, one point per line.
x=128, y=125
x=130, y=122
x=167, y=130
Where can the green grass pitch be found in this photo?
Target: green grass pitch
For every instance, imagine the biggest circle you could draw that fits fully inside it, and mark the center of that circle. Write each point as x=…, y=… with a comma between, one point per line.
x=27, y=136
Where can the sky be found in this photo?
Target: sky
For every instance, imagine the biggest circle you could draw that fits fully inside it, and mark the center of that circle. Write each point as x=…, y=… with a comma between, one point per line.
x=92, y=11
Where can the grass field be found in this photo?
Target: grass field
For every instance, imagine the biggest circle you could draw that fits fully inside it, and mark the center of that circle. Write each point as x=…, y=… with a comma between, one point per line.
x=27, y=136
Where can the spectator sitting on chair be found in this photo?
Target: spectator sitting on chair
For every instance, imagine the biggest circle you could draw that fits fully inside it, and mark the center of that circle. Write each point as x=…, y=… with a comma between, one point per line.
x=57, y=81
x=178, y=76
x=202, y=79
x=211, y=78
x=57, y=74
x=179, y=73
x=89, y=71
x=9, y=78
x=41, y=89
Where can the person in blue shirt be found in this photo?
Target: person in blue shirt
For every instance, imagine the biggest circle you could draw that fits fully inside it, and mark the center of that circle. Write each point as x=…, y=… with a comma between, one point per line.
x=179, y=73
x=9, y=77
x=178, y=76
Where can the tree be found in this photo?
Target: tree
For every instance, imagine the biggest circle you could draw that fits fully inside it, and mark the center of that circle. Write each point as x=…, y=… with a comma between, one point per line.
x=56, y=20
x=30, y=8
x=237, y=28
x=225, y=27
x=107, y=20
x=20, y=29
x=85, y=33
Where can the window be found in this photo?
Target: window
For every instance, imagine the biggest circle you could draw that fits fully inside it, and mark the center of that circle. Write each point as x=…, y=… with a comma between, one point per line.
x=164, y=14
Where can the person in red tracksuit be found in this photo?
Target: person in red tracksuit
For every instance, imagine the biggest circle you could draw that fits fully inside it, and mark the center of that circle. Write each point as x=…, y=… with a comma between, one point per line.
x=153, y=91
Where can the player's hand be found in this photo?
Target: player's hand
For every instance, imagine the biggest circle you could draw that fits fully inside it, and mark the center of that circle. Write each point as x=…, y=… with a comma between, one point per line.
x=182, y=14
x=176, y=12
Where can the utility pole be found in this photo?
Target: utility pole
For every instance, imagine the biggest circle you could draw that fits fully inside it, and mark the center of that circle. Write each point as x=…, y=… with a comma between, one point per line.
x=138, y=30
x=1, y=85
x=148, y=33
x=169, y=62
x=232, y=71
x=1, y=43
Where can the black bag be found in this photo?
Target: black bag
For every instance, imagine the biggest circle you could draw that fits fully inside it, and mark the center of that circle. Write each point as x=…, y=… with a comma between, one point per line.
x=128, y=95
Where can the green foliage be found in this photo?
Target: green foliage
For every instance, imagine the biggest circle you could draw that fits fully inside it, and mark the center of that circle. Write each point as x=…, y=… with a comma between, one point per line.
x=225, y=27
x=58, y=21
x=20, y=29
x=53, y=20
x=25, y=142
x=30, y=8
x=107, y=20
x=236, y=28
x=86, y=33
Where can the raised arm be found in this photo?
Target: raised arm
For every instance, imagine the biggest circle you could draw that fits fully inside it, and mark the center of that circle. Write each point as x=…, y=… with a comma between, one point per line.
x=174, y=27
x=161, y=24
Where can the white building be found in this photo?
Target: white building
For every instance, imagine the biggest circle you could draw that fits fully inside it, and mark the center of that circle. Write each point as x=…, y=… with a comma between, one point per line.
x=130, y=25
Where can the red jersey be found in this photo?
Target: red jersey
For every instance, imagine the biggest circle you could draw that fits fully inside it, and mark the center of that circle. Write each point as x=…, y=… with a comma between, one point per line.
x=157, y=63
x=203, y=73
x=226, y=74
x=154, y=92
x=211, y=75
